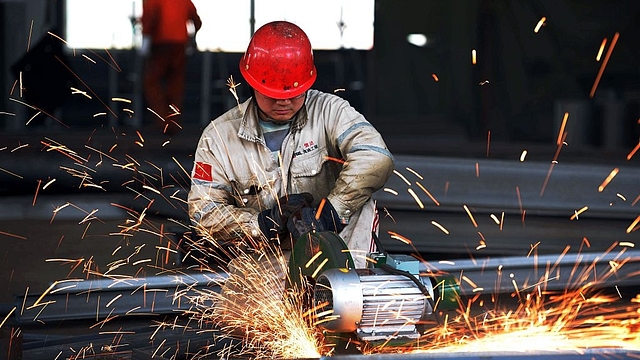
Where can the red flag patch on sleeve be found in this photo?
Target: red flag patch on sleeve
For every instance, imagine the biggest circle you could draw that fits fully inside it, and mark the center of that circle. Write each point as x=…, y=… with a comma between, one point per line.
x=202, y=171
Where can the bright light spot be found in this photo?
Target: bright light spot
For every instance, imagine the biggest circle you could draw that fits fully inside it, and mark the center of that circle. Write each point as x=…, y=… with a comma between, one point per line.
x=418, y=40
x=112, y=28
x=226, y=25
x=523, y=155
x=602, y=45
x=539, y=25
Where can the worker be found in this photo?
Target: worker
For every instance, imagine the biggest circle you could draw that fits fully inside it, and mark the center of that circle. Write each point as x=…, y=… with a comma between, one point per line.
x=165, y=41
x=290, y=159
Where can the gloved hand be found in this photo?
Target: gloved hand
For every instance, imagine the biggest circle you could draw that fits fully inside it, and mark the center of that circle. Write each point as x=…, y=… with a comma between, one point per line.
x=304, y=220
x=274, y=221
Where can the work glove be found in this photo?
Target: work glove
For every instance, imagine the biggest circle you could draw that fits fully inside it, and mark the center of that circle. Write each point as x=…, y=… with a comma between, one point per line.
x=304, y=220
x=273, y=221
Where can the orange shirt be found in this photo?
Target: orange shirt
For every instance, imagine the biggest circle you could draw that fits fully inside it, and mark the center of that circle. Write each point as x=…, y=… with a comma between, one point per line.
x=165, y=21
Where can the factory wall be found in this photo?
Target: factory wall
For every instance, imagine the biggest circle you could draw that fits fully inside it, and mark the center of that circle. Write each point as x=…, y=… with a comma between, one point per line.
x=518, y=90
x=523, y=81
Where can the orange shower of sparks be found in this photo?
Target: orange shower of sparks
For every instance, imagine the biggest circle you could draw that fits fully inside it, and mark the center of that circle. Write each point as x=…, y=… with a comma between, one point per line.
x=633, y=151
x=633, y=227
x=606, y=181
x=401, y=238
x=466, y=209
x=562, y=127
x=13, y=235
x=416, y=198
x=578, y=212
x=523, y=155
x=539, y=25
x=320, y=207
x=604, y=65
x=442, y=228
x=601, y=50
x=255, y=306
x=553, y=163
x=428, y=194
x=580, y=317
x=488, y=141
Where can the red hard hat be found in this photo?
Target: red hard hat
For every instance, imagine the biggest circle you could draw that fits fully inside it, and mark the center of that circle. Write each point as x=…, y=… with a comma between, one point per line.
x=278, y=62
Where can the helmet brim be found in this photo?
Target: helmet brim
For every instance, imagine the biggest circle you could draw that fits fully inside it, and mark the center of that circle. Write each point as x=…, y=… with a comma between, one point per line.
x=285, y=93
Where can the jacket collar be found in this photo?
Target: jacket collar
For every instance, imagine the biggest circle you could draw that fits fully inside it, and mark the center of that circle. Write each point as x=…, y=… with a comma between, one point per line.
x=250, y=127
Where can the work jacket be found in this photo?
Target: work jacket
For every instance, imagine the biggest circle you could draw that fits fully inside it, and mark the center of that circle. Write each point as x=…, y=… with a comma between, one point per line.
x=331, y=151
x=165, y=21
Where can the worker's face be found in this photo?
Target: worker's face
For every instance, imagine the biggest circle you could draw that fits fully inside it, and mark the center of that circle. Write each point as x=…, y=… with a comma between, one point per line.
x=279, y=109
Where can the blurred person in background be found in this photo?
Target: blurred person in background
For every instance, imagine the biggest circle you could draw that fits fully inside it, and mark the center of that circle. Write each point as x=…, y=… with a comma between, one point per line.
x=165, y=41
x=288, y=160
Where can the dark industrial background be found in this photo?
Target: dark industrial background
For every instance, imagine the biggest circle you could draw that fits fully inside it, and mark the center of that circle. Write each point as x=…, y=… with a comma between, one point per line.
x=461, y=127
x=531, y=78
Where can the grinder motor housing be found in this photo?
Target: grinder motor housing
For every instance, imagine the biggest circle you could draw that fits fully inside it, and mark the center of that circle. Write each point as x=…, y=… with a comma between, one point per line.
x=388, y=300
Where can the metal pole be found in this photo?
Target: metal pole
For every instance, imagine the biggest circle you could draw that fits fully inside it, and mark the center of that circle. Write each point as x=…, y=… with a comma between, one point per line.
x=568, y=272
x=88, y=299
x=205, y=89
x=252, y=20
x=112, y=86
